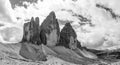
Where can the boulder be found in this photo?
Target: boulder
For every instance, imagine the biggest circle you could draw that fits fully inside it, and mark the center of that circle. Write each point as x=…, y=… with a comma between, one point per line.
x=49, y=30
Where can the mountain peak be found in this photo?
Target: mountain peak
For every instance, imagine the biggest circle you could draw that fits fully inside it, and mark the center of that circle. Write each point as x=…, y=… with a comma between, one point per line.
x=49, y=27
x=31, y=33
x=32, y=19
x=67, y=36
x=52, y=14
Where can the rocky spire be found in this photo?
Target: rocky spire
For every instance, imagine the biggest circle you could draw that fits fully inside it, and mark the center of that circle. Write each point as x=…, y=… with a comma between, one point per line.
x=49, y=30
x=37, y=21
x=67, y=37
x=25, y=32
x=31, y=44
x=31, y=31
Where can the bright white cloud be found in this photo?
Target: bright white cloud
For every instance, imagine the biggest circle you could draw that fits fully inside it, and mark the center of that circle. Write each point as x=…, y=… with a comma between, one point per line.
x=11, y=29
x=6, y=13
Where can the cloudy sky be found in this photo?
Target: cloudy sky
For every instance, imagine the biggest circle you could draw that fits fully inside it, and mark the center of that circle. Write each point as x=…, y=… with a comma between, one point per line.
x=96, y=22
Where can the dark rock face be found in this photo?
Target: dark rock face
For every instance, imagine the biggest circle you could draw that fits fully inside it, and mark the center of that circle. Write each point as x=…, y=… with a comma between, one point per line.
x=49, y=30
x=68, y=37
x=31, y=31
x=34, y=28
x=37, y=21
x=31, y=43
x=78, y=44
x=26, y=37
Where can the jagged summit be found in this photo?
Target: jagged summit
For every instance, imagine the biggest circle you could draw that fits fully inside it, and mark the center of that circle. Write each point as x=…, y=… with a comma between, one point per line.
x=68, y=29
x=49, y=30
x=37, y=21
x=50, y=21
x=32, y=19
x=52, y=15
x=31, y=33
x=25, y=32
x=31, y=42
x=67, y=36
x=35, y=35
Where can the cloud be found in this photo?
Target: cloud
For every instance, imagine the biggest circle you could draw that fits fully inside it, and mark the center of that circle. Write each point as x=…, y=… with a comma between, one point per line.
x=5, y=11
x=11, y=34
x=8, y=21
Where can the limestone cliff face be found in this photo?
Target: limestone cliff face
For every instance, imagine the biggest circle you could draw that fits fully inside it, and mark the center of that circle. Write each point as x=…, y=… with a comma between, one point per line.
x=68, y=37
x=49, y=30
x=31, y=42
x=31, y=31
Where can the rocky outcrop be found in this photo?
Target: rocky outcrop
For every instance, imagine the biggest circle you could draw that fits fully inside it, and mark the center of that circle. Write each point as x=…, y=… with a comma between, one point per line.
x=49, y=30
x=35, y=35
x=31, y=43
x=31, y=31
x=26, y=37
x=49, y=34
x=67, y=37
x=34, y=28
